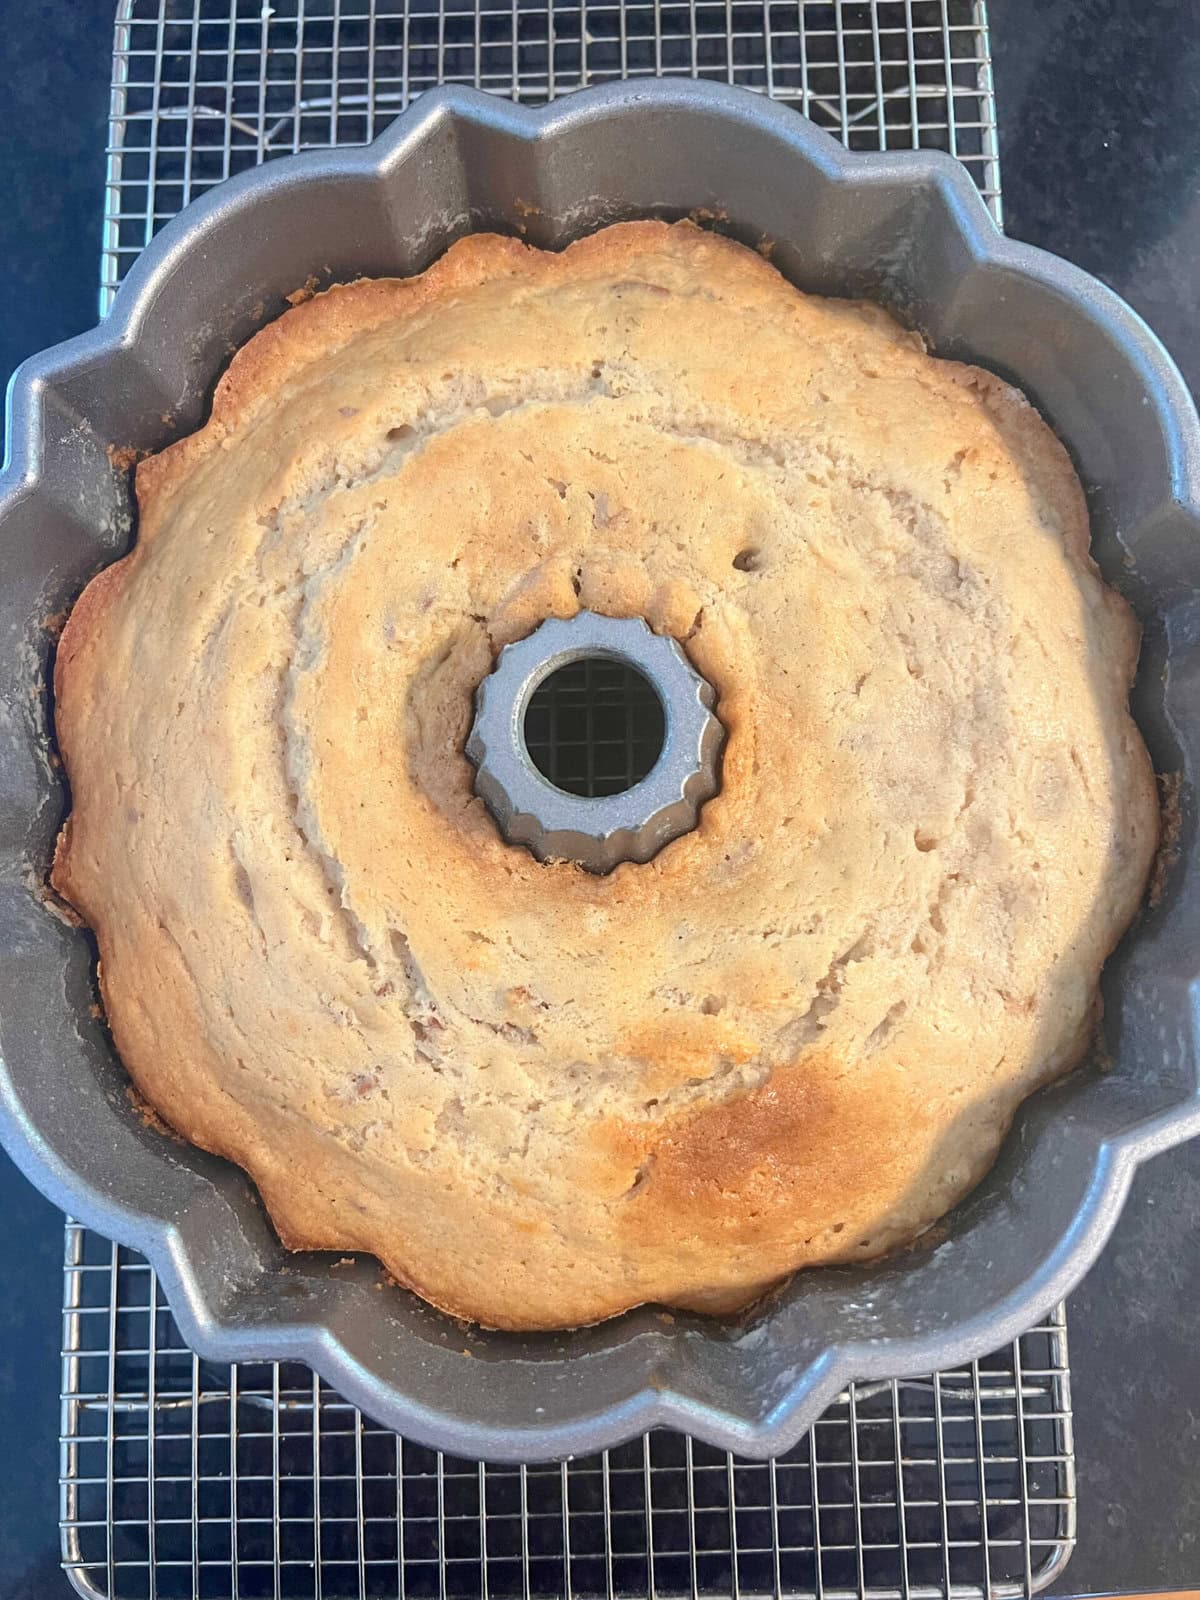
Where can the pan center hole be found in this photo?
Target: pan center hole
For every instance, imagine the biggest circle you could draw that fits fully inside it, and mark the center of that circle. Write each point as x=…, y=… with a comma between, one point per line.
x=594, y=727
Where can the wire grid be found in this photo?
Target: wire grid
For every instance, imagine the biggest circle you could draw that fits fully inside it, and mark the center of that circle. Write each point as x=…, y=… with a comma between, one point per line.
x=206, y=88
x=186, y=1479
x=595, y=727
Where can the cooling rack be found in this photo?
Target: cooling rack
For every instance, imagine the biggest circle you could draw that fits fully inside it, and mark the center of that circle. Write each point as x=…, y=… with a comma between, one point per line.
x=206, y=88
x=182, y=1478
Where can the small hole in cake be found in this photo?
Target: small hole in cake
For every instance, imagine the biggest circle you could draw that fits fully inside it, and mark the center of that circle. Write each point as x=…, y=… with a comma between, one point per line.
x=595, y=727
x=924, y=841
x=749, y=560
x=403, y=430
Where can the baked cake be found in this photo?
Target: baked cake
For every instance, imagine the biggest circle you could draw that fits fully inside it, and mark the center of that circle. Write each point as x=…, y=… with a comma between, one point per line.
x=799, y=1034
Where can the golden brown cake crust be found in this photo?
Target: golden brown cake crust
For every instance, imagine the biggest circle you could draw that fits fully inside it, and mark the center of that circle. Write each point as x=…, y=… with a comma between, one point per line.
x=799, y=1034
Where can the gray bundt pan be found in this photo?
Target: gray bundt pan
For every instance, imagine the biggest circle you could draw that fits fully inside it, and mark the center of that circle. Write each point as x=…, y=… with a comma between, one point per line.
x=908, y=229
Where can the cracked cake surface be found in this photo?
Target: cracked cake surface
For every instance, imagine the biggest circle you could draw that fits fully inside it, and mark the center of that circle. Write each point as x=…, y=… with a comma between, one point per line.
x=798, y=1034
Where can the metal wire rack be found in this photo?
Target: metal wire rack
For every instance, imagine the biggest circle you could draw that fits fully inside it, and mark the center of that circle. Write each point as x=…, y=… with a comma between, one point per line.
x=180, y=1478
x=206, y=88
x=185, y=1479
x=594, y=727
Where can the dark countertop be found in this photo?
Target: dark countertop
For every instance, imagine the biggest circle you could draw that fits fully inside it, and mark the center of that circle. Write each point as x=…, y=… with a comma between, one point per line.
x=1099, y=111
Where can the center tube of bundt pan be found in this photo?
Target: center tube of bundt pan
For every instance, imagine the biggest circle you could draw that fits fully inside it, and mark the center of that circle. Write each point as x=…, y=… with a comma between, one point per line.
x=595, y=740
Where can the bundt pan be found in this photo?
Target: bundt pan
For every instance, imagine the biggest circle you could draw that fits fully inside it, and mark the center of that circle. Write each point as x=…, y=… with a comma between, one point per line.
x=908, y=229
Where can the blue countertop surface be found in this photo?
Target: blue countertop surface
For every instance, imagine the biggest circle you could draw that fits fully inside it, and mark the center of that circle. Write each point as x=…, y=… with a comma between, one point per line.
x=1099, y=112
